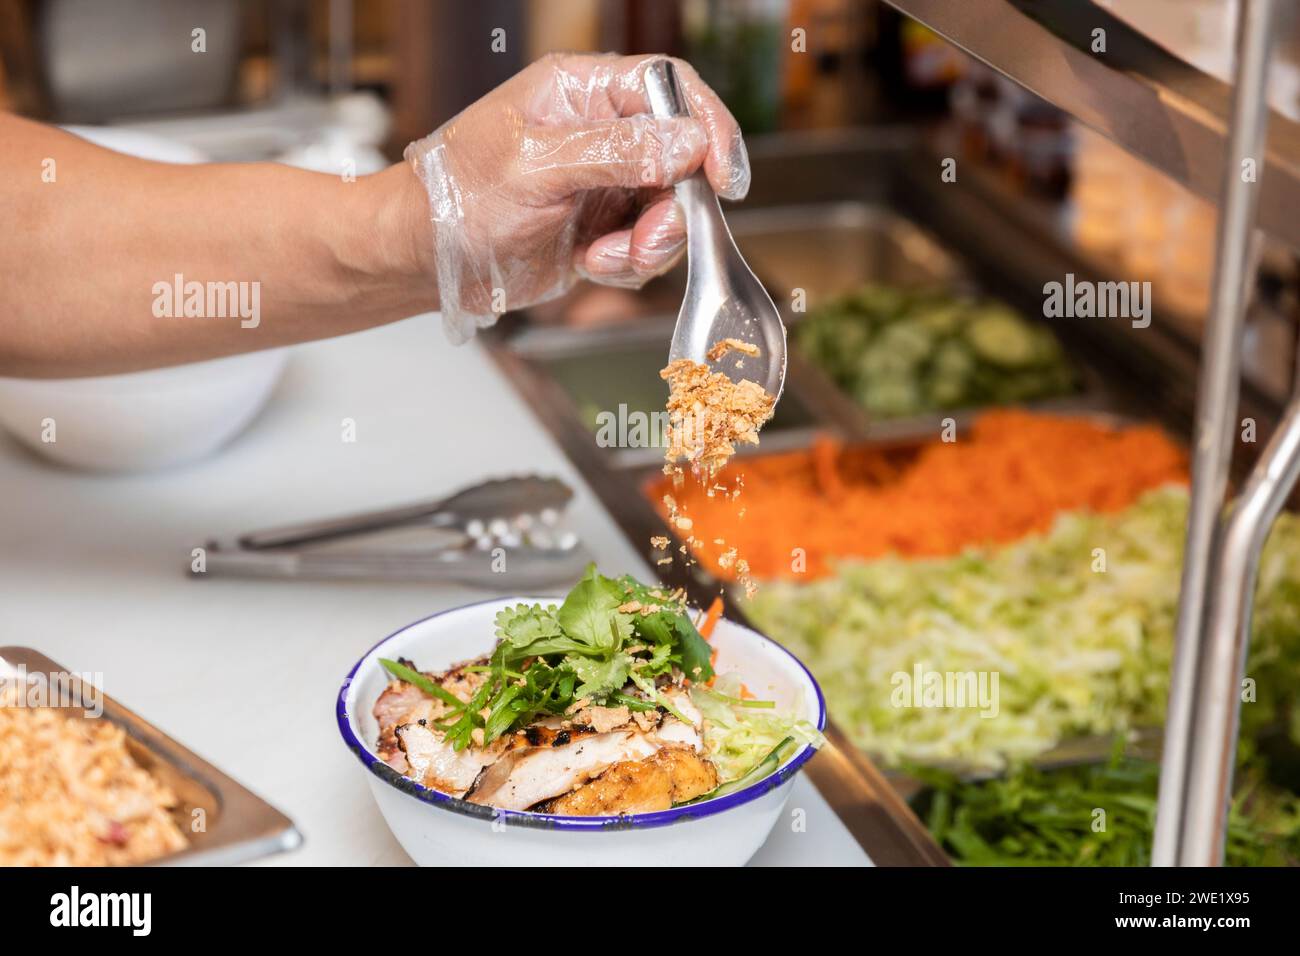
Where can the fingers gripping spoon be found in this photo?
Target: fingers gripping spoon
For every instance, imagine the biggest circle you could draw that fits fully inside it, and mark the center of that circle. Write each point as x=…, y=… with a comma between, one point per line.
x=723, y=299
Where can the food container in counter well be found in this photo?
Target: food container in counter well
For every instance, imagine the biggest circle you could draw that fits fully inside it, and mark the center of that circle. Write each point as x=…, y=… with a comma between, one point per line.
x=237, y=825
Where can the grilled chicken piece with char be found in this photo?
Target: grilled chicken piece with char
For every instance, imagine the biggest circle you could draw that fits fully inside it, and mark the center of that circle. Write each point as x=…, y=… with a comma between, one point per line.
x=435, y=763
x=672, y=775
x=528, y=775
x=399, y=704
x=551, y=757
x=402, y=703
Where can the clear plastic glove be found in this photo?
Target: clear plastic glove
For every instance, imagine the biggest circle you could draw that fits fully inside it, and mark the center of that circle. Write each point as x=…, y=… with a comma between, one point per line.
x=561, y=172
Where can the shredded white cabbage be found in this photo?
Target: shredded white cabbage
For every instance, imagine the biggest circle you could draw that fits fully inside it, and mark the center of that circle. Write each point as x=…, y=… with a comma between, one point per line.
x=1077, y=624
x=739, y=735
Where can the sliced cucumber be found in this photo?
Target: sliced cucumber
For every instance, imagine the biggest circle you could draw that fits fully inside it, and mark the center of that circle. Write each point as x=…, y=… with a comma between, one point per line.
x=942, y=319
x=1002, y=338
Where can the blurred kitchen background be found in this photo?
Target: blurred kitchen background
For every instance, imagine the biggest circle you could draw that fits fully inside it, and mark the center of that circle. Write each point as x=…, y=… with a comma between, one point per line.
x=849, y=106
x=317, y=82
x=908, y=205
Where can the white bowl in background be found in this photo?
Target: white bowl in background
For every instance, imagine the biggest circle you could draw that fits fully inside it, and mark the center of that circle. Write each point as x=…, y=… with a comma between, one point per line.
x=138, y=143
x=439, y=830
x=142, y=420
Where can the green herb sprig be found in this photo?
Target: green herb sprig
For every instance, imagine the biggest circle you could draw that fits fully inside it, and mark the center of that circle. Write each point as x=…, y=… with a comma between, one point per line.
x=549, y=658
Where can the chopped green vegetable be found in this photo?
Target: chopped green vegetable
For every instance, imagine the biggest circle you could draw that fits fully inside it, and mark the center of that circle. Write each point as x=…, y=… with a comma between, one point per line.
x=600, y=678
x=1002, y=338
x=589, y=614
x=739, y=735
x=904, y=352
x=1097, y=815
x=671, y=628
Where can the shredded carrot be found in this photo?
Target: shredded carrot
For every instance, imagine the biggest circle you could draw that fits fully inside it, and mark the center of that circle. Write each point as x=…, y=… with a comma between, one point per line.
x=1009, y=477
x=824, y=453
x=713, y=662
x=711, y=620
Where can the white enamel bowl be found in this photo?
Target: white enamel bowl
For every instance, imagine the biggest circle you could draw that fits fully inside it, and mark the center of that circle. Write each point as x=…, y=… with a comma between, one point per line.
x=438, y=830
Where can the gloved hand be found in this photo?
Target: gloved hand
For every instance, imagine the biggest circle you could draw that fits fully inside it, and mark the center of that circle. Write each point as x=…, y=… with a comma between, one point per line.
x=561, y=172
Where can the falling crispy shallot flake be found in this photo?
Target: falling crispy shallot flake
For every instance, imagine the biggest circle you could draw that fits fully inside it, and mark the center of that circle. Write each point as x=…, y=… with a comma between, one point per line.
x=709, y=414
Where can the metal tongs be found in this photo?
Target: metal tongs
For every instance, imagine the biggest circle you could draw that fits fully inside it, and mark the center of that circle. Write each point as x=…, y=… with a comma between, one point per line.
x=502, y=534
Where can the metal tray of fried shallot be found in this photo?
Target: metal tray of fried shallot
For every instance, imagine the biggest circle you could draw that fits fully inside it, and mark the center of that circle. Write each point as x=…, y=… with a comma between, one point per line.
x=236, y=825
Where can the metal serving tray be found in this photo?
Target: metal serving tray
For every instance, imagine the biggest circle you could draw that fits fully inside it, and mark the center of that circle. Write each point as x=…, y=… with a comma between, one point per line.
x=238, y=825
x=828, y=249
x=1072, y=752
x=597, y=370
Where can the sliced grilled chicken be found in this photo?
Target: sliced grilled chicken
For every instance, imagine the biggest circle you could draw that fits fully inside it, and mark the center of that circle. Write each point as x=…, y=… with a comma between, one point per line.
x=528, y=775
x=548, y=759
x=548, y=732
x=603, y=719
x=672, y=775
x=673, y=731
x=403, y=703
x=399, y=704
x=398, y=699
x=436, y=764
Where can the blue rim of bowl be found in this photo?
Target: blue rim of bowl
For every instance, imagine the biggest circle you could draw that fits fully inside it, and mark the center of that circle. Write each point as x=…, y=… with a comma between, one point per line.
x=550, y=821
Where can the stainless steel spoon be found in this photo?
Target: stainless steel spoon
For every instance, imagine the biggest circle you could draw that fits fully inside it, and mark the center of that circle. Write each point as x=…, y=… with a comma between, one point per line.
x=723, y=298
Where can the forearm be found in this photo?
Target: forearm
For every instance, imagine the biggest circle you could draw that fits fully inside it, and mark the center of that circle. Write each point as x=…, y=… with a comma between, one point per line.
x=90, y=261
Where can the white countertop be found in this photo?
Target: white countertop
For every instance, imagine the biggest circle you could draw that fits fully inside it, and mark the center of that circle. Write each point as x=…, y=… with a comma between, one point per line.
x=245, y=673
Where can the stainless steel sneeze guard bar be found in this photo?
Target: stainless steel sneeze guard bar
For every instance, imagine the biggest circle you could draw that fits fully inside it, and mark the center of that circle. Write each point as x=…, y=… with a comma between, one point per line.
x=1135, y=93
x=1217, y=706
x=1218, y=563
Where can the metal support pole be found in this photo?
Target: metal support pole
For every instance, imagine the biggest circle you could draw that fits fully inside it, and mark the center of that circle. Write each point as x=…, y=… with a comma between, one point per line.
x=1185, y=749
x=1218, y=698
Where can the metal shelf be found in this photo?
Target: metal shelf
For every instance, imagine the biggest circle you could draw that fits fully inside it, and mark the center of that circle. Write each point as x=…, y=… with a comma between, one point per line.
x=1137, y=94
